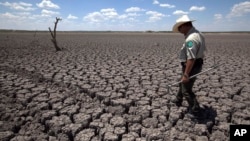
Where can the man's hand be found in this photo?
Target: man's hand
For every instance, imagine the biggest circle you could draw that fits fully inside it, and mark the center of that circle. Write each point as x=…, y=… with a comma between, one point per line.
x=184, y=79
x=189, y=66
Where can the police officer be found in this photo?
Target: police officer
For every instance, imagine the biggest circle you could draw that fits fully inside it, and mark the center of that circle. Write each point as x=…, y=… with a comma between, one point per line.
x=191, y=58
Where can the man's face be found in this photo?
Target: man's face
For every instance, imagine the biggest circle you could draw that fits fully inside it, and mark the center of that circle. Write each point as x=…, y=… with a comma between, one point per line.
x=182, y=29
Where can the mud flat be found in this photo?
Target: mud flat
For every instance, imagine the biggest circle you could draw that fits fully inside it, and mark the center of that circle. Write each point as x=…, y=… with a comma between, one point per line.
x=112, y=87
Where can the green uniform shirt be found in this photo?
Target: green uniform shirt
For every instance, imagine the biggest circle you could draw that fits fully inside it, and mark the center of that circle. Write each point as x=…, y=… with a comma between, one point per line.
x=194, y=46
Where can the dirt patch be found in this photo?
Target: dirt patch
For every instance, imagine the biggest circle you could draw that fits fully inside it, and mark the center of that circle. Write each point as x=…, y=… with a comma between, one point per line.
x=112, y=86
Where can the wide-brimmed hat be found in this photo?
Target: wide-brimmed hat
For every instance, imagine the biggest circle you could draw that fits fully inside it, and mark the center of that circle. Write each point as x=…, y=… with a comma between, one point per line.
x=183, y=19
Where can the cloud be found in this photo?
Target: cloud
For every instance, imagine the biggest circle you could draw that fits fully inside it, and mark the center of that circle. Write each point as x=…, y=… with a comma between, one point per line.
x=25, y=20
x=218, y=17
x=18, y=6
x=196, y=8
x=72, y=17
x=103, y=14
x=94, y=17
x=180, y=12
x=47, y=4
x=123, y=16
x=167, y=5
x=156, y=2
x=154, y=16
x=8, y=15
x=48, y=13
x=19, y=16
x=131, y=13
x=134, y=9
x=109, y=13
x=240, y=9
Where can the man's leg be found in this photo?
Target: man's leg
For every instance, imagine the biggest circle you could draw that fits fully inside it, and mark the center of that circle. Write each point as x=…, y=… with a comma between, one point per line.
x=190, y=96
x=179, y=97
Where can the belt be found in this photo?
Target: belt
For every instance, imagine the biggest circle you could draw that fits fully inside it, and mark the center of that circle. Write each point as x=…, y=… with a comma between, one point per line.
x=198, y=62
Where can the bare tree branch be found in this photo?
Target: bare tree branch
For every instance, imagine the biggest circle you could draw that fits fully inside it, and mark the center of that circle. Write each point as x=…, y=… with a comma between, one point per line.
x=53, y=34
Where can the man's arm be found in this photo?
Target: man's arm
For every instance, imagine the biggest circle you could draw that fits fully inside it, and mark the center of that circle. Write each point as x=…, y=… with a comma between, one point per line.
x=189, y=66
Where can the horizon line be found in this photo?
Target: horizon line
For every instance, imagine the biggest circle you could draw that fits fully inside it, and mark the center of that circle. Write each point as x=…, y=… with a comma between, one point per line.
x=145, y=31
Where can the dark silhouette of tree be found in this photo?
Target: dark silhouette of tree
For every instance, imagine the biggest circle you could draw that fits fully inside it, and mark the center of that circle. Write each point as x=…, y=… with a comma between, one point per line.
x=53, y=34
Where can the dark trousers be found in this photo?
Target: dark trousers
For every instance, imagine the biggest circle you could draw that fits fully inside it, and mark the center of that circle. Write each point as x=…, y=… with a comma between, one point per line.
x=185, y=89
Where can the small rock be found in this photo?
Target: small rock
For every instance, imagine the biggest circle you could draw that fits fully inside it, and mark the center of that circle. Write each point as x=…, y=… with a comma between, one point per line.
x=118, y=121
x=85, y=135
x=82, y=118
x=109, y=136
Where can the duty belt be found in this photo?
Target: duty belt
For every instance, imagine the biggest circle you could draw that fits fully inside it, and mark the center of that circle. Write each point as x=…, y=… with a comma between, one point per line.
x=198, y=62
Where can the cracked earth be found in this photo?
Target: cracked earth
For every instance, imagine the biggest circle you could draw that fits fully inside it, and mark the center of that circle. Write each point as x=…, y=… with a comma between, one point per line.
x=113, y=87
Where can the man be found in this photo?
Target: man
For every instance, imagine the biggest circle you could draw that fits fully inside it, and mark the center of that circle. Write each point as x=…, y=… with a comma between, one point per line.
x=191, y=58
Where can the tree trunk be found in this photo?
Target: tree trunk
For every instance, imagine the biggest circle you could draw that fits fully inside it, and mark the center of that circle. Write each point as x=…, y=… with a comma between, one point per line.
x=53, y=35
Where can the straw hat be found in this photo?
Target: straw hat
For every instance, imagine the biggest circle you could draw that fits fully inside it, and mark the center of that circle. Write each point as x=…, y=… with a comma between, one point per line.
x=183, y=19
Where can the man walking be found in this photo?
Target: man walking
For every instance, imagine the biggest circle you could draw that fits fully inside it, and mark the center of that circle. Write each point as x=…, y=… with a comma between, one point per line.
x=191, y=58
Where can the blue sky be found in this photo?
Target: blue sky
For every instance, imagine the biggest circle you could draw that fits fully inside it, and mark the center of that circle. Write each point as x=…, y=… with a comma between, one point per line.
x=124, y=15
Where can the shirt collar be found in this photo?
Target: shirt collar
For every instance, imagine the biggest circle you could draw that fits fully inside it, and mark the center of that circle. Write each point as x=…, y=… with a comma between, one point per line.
x=192, y=30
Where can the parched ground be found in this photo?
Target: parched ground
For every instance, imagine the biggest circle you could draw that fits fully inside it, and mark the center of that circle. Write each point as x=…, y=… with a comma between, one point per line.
x=113, y=87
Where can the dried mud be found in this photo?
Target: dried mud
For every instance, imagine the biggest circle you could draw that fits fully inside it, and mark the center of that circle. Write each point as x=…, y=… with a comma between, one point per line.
x=113, y=87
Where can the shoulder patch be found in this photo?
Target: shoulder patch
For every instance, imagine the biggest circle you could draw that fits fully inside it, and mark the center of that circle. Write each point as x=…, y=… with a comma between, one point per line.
x=190, y=44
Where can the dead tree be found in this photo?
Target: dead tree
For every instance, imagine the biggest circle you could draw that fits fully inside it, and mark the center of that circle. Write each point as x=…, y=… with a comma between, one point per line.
x=53, y=34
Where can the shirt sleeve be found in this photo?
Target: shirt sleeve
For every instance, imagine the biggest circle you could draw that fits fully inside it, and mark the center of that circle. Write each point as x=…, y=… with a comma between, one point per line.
x=192, y=48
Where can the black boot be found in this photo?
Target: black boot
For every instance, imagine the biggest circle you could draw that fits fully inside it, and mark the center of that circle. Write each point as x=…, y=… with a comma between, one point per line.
x=195, y=108
x=178, y=101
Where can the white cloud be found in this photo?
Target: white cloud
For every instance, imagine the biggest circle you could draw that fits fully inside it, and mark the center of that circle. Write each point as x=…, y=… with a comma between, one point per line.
x=127, y=17
x=109, y=13
x=156, y=2
x=133, y=14
x=154, y=16
x=18, y=16
x=25, y=4
x=180, y=12
x=72, y=17
x=134, y=9
x=218, y=17
x=24, y=20
x=240, y=9
x=94, y=17
x=48, y=13
x=19, y=6
x=47, y=4
x=123, y=16
x=167, y=5
x=196, y=8
x=8, y=15
x=21, y=20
